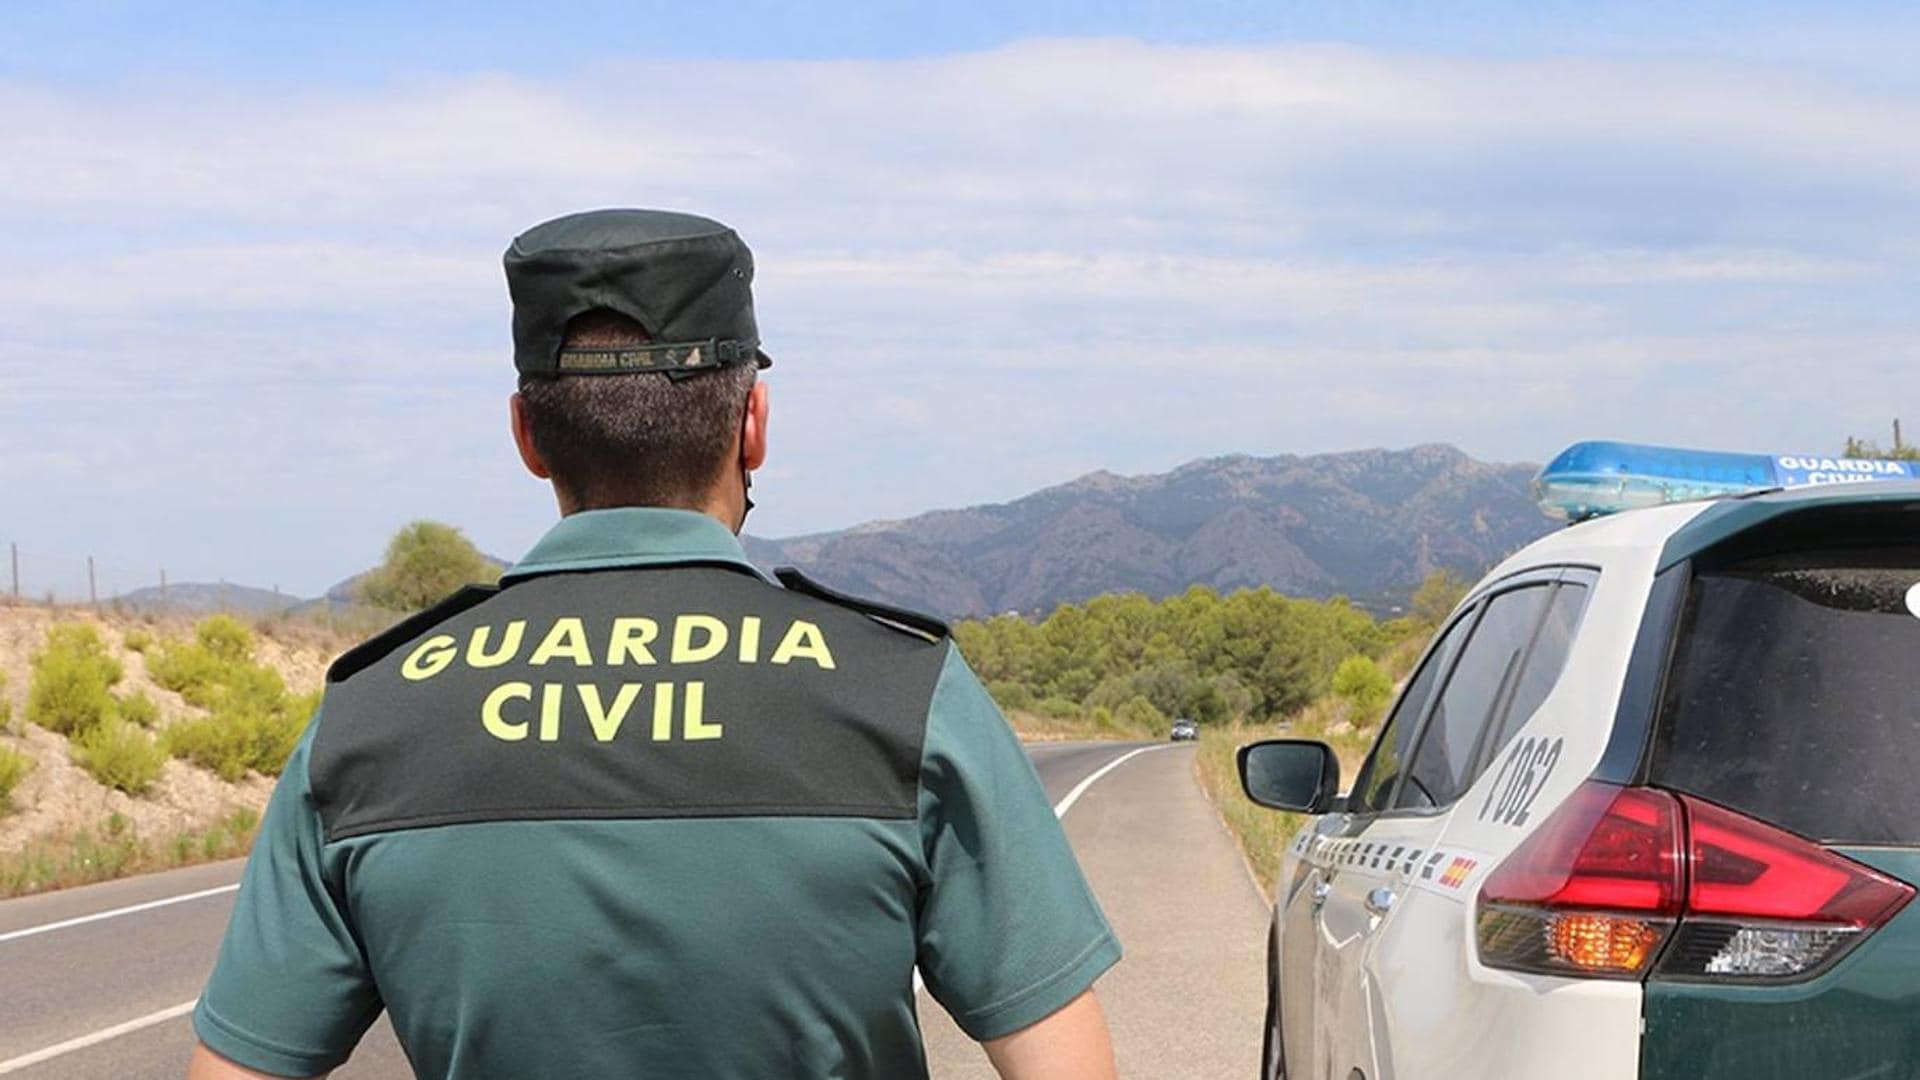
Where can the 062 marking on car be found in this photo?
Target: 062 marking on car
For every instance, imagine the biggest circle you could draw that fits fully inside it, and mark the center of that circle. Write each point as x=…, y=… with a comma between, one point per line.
x=1521, y=776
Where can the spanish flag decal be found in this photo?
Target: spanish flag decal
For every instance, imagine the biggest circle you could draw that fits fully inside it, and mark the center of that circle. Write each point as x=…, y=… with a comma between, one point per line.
x=1456, y=873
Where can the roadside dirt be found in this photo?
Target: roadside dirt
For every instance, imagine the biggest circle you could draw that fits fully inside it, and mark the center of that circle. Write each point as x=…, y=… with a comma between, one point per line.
x=58, y=798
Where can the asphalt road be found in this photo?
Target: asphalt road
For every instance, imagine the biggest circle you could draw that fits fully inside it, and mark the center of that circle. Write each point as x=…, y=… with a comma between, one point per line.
x=90, y=989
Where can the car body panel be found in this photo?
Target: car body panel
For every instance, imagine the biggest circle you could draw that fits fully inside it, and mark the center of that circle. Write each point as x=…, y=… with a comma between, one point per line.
x=1860, y=1019
x=1381, y=860
x=1404, y=996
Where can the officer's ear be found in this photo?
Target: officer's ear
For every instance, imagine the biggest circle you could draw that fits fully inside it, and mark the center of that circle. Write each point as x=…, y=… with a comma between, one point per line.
x=523, y=438
x=753, y=429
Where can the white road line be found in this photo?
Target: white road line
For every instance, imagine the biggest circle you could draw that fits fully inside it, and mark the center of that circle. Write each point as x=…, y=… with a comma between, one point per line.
x=117, y=912
x=1060, y=808
x=49, y=1053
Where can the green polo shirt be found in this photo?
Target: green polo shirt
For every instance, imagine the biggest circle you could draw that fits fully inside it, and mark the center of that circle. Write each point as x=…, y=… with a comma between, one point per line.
x=643, y=813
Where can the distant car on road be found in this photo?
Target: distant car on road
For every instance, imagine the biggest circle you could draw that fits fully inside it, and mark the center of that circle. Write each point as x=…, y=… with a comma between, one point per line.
x=1184, y=730
x=1649, y=807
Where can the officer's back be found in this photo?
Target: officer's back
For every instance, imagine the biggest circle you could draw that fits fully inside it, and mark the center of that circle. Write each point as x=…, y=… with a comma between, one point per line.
x=641, y=811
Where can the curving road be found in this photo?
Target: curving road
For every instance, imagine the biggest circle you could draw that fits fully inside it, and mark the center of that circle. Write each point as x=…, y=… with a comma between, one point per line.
x=96, y=982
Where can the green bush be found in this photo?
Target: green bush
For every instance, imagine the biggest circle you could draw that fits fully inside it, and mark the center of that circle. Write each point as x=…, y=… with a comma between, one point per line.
x=1010, y=695
x=252, y=722
x=248, y=729
x=189, y=669
x=1139, y=713
x=137, y=640
x=14, y=767
x=226, y=637
x=73, y=677
x=120, y=755
x=6, y=704
x=425, y=562
x=1058, y=708
x=138, y=708
x=1363, y=684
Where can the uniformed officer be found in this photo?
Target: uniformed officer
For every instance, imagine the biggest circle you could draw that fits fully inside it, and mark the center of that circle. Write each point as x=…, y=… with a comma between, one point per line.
x=640, y=811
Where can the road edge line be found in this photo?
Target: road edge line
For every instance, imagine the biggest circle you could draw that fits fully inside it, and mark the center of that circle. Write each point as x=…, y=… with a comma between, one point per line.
x=1065, y=804
x=1060, y=808
x=25, y=1061
x=131, y=909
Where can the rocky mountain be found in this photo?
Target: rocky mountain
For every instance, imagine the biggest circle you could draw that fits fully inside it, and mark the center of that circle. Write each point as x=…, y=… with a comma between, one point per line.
x=1367, y=524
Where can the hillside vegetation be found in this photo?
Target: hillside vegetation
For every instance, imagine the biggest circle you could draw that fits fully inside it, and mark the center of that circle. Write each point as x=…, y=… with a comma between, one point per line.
x=1128, y=664
x=1248, y=665
x=1347, y=717
x=133, y=742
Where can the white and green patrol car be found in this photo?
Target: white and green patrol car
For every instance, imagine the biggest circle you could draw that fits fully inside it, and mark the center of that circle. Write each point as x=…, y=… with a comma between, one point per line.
x=1647, y=807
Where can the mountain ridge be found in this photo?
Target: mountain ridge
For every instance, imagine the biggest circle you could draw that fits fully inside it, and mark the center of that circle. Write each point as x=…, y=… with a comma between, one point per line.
x=1366, y=523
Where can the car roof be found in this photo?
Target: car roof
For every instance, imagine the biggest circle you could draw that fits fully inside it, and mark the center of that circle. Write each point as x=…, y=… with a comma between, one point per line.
x=1682, y=530
x=1729, y=517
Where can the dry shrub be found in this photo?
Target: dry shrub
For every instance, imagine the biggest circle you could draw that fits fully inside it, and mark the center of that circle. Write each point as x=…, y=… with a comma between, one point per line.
x=73, y=677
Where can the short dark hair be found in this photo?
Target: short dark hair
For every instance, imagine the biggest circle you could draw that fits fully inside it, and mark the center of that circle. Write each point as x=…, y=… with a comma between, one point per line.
x=639, y=439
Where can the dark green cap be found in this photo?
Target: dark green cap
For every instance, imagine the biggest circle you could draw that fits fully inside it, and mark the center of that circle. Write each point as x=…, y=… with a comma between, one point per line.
x=687, y=280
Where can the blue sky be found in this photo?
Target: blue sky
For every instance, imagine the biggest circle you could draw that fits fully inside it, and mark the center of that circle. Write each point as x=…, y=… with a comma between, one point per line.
x=254, y=317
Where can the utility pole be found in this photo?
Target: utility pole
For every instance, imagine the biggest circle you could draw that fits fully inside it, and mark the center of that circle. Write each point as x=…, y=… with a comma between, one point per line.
x=93, y=593
x=1898, y=445
x=163, y=587
x=14, y=550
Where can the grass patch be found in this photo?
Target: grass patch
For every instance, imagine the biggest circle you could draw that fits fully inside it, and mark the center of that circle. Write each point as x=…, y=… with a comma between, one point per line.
x=14, y=767
x=1263, y=834
x=115, y=850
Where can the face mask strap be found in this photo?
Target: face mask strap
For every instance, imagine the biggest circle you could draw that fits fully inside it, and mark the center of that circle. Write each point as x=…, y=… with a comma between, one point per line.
x=746, y=486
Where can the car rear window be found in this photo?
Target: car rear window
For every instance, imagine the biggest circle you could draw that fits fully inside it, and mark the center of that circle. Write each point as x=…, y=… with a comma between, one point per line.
x=1794, y=694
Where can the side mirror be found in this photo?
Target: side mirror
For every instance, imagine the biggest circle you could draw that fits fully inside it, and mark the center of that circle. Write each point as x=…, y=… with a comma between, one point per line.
x=1290, y=774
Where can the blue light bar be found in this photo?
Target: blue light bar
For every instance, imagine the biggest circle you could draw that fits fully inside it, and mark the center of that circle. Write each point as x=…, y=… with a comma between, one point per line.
x=1593, y=478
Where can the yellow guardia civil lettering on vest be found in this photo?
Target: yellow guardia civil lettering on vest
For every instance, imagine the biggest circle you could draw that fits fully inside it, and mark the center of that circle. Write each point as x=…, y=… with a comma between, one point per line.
x=516, y=710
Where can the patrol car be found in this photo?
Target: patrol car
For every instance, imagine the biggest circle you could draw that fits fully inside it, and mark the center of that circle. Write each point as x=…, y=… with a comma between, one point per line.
x=1647, y=807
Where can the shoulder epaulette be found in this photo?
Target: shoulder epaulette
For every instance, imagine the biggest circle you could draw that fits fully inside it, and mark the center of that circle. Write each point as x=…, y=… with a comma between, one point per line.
x=369, y=652
x=912, y=622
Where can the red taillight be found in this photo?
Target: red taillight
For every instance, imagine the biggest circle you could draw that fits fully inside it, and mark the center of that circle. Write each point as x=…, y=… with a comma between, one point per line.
x=1605, y=847
x=1746, y=869
x=1614, y=872
x=1594, y=891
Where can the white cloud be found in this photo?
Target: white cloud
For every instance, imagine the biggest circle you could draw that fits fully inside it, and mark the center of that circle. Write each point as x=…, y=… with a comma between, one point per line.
x=1054, y=254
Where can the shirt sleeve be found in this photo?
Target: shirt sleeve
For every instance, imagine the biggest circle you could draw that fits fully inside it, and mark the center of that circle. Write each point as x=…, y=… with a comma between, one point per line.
x=291, y=994
x=1009, y=932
